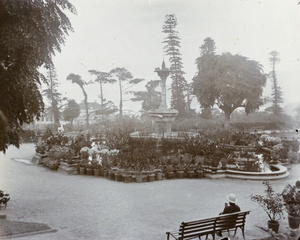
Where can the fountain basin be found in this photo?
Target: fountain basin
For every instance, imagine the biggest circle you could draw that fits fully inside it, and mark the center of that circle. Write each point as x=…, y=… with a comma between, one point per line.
x=278, y=172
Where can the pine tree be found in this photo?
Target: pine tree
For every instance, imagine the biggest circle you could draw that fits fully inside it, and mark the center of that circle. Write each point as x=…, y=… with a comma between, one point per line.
x=276, y=89
x=172, y=49
x=53, y=95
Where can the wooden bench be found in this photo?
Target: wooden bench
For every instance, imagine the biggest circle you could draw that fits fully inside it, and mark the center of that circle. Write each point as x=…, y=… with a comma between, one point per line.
x=210, y=226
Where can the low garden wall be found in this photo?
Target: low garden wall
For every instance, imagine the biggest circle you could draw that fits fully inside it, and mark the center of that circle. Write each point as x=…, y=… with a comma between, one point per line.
x=278, y=172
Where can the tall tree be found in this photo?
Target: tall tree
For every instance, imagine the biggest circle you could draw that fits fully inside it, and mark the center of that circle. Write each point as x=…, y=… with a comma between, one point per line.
x=230, y=81
x=208, y=47
x=172, y=49
x=207, y=57
x=150, y=98
x=123, y=77
x=102, y=78
x=276, y=90
x=71, y=112
x=30, y=34
x=53, y=95
x=81, y=83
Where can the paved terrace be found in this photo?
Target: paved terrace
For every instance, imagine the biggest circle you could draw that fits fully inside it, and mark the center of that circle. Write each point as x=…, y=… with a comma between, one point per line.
x=88, y=207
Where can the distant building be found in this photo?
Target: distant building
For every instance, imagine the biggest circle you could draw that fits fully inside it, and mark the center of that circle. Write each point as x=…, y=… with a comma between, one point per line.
x=93, y=107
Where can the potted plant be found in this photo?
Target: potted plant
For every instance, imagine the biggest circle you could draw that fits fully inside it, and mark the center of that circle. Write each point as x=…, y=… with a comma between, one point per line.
x=272, y=204
x=190, y=170
x=96, y=167
x=126, y=176
x=180, y=170
x=291, y=201
x=118, y=175
x=169, y=171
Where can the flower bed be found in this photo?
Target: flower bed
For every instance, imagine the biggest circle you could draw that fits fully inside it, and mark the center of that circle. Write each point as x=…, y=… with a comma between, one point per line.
x=187, y=157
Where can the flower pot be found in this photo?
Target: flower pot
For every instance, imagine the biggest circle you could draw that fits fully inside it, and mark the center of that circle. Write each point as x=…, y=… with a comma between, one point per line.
x=105, y=173
x=294, y=222
x=151, y=177
x=158, y=176
x=127, y=178
x=89, y=171
x=200, y=174
x=170, y=175
x=274, y=225
x=111, y=175
x=180, y=174
x=96, y=172
x=144, y=178
x=138, y=178
x=191, y=173
x=118, y=177
x=81, y=170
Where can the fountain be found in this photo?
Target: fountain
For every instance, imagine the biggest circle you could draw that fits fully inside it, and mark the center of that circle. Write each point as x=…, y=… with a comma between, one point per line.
x=163, y=117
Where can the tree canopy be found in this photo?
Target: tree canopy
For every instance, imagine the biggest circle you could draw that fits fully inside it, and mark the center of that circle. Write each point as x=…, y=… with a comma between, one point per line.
x=150, y=98
x=75, y=78
x=30, y=34
x=72, y=111
x=229, y=81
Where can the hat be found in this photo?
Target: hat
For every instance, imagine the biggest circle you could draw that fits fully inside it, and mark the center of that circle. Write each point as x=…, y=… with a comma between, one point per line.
x=231, y=198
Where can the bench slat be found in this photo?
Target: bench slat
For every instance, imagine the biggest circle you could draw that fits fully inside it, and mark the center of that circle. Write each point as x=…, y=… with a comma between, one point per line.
x=198, y=228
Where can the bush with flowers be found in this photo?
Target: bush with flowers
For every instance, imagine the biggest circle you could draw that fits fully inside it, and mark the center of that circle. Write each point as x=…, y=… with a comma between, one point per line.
x=269, y=141
x=291, y=199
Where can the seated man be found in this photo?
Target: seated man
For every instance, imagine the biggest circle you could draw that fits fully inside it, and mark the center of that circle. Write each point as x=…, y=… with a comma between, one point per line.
x=231, y=208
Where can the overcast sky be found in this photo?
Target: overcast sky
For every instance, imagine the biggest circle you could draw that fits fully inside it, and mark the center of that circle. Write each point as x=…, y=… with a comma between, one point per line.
x=127, y=33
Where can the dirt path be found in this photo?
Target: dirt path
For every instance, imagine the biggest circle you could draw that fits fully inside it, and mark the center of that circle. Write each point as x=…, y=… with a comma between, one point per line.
x=88, y=207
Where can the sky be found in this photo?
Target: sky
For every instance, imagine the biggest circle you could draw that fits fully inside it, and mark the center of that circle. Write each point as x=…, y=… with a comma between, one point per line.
x=128, y=33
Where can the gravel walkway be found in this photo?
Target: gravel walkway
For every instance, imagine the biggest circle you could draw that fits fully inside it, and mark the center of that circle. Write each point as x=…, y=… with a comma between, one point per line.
x=88, y=207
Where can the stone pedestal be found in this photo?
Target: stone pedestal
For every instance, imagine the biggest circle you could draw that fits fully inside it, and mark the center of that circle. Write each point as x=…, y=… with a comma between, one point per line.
x=67, y=169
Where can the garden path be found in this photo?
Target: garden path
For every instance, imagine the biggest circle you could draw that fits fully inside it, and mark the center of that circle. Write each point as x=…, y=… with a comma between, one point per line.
x=88, y=207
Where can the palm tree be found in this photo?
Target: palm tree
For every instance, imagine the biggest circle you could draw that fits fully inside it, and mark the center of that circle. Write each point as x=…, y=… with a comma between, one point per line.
x=77, y=79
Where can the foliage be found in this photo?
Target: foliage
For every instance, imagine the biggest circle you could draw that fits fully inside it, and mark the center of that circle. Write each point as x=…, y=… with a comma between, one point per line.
x=229, y=81
x=276, y=90
x=271, y=203
x=80, y=141
x=172, y=49
x=291, y=199
x=40, y=147
x=251, y=166
x=117, y=132
x=30, y=34
x=72, y=111
x=28, y=136
x=81, y=83
x=51, y=163
x=150, y=98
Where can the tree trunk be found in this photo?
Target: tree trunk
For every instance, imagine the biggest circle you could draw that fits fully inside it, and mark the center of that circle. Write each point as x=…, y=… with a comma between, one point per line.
x=102, y=100
x=227, y=118
x=86, y=107
x=121, y=99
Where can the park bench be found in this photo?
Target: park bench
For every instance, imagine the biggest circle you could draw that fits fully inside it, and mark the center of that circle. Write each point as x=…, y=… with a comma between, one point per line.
x=210, y=226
